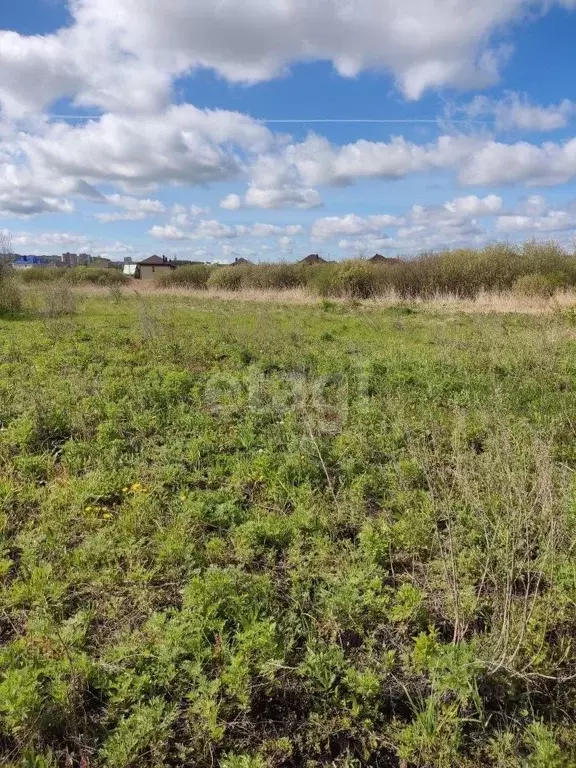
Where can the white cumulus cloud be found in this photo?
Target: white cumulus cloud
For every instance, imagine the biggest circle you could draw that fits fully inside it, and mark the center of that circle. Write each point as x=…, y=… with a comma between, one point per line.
x=516, y=112
x=352, y=225
x=123, y=55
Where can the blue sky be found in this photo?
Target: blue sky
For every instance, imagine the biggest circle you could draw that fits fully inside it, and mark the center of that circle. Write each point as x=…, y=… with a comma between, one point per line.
x=212, y=130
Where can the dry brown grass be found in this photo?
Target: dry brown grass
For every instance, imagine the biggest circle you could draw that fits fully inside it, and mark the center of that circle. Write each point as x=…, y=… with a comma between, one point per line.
x=486, y=302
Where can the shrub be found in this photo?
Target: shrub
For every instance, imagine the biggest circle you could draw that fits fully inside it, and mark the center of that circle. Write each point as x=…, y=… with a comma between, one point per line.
x=41, y=274
x=10, y=296
x=115, y=293
x=5, y=269
x=58, y=300
x=227, y=278
x=74, y=275
x=275, y=277
x=536, y=285
x=462, y=272
x=191, y=276
x=351, y=279
x=95, y=276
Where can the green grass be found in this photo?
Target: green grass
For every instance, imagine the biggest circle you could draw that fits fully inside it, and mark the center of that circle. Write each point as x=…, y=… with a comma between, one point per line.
x=257, y=535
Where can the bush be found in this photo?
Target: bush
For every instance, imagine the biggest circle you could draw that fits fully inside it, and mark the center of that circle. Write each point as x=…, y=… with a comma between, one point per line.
x=536, y=285
x=351, y=279
x=95, y=276
x=227, y=278
x=42, y=274
x=191, y=276
x=74, y=275
x=10, y=296
x=264, y=277
x=58, y=300
x=462, y=272
x=275, y=277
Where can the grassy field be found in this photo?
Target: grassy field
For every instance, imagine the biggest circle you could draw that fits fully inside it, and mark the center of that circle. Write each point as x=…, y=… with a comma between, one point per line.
x=261, y=534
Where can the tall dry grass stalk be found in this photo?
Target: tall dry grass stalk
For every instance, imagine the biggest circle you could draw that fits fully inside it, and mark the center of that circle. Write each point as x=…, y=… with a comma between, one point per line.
x=485, y=302
x=503, y=501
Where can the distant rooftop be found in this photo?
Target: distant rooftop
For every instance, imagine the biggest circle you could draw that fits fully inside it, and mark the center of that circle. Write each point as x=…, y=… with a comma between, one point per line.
x=379, y=259
x=156, y=261
x=313, y=258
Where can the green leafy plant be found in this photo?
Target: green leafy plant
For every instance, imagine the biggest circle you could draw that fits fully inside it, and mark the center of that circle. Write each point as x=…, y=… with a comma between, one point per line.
x=197, y=570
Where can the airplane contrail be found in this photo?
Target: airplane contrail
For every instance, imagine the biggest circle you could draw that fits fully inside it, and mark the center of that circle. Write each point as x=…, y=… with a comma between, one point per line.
x=316, y=120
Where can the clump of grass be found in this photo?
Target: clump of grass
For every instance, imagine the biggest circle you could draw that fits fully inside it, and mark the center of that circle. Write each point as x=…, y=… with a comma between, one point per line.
x=191, y=276
x=57, y=299
x=74, y=275
x=264, y=277
x=10, y=294
x=95, y=276
x=349, y=279
x=36, y=275
x=536, y=286
x=115, y=292
x=228, y=278
x=275, y=277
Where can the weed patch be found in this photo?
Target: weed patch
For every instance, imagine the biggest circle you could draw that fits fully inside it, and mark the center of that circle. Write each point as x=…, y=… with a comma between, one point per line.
x=262, y=535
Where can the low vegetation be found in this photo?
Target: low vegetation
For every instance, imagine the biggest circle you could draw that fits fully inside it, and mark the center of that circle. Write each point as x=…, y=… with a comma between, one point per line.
x=74, y=275
x=10, y=294
x=192, y=276
x=262, y=535
x=57, y=299
x=535, y=269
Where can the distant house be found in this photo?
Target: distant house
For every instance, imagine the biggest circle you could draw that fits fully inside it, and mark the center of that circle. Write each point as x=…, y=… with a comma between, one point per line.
x=379, y=259
x=313, y=258
x=241, y=262
x=150, y=268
